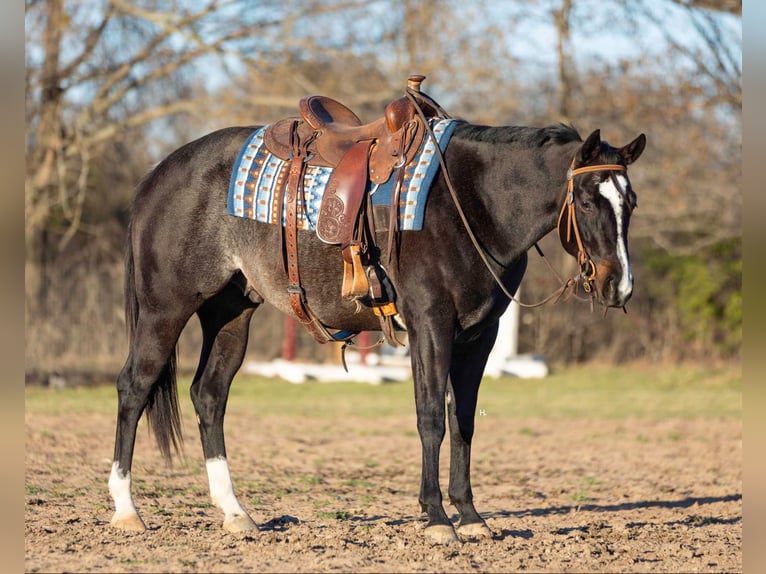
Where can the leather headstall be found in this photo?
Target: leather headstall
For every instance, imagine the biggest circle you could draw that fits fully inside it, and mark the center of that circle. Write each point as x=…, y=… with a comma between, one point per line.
x=584, y=261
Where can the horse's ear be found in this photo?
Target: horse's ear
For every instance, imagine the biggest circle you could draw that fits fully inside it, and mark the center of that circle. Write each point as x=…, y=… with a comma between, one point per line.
x=633, y=150
x=590, y=149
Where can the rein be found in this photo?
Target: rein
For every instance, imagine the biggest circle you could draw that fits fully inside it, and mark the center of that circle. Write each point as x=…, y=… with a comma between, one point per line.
x=570, y=285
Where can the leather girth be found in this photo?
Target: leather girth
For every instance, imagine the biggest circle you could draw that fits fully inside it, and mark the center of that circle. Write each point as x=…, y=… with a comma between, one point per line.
x=294, y=189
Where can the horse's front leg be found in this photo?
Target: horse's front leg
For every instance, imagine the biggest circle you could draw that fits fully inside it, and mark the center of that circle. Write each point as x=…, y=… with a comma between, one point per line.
x=430, y=348
x=466, y=370
x=225, y=332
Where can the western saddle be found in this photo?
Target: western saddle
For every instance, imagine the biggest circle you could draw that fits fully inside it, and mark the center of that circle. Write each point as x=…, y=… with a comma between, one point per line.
x=329, y=134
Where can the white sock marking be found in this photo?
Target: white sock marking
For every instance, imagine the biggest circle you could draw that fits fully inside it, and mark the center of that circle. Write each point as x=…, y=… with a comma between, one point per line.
x=119, y=488
x=221, y=488
x=608, y=190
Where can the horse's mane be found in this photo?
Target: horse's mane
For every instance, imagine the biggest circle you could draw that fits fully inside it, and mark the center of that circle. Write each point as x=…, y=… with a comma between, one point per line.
x=557, y=134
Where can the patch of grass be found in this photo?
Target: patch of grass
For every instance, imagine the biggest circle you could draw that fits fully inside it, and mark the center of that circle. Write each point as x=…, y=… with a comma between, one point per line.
x=581, y=497
x=312, y=479
x=201, y=490
x=191, y=465
x=85, y=400
x=33, y=490
x=652, y=392
x=129, y=561
x=643, y=391
x=358, y=483
x=590, y=482
x=279, y=493
x=584, y=491
x=367, y=498
x=102, y=506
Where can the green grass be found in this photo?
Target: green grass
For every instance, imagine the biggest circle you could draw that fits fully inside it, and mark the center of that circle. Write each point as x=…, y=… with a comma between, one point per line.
x=578, y=392
x=357, y=483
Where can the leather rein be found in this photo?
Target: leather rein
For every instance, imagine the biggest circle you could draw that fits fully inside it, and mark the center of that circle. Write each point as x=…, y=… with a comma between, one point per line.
x=587, y=267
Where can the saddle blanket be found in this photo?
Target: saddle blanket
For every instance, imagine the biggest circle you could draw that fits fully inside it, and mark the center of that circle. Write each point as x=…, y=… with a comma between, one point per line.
x=257, y=174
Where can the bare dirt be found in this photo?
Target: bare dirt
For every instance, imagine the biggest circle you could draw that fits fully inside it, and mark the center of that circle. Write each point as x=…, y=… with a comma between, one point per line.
x=341, y=495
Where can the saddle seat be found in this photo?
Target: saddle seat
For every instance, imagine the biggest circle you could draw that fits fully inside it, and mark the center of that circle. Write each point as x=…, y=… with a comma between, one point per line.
x=395, y=137
x=321, y=111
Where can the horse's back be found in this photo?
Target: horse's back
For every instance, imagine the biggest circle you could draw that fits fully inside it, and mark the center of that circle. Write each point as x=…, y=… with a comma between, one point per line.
x=194, y=167
x=180, y=231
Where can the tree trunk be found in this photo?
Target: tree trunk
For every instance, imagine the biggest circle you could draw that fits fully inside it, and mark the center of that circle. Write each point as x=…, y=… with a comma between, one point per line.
x=42, y=163
x=564, y=51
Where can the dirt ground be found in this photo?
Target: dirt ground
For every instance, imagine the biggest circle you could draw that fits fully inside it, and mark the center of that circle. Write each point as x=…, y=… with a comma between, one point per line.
x=341, y=495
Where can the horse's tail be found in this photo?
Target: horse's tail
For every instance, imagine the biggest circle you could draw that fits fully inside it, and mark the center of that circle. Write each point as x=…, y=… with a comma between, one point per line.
x=162, y=410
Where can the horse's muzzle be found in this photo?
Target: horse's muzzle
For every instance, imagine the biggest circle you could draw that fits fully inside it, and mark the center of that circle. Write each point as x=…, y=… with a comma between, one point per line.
x=611, y=296
x=611, y=289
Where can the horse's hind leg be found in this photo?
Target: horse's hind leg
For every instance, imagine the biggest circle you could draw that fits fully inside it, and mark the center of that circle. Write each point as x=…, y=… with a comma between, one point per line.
x=468, y=362
x=148, y=376
x=225, y=319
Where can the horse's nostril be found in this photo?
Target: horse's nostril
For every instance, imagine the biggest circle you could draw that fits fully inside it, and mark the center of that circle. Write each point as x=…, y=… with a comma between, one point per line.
x=613, y=294
x=610, y=289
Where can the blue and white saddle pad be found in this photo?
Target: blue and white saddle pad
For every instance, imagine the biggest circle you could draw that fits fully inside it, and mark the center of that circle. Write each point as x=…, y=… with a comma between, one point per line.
x=257, y=173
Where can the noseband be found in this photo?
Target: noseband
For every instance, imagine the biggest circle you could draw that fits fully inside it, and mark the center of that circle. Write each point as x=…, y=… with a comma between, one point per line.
x=587, y=267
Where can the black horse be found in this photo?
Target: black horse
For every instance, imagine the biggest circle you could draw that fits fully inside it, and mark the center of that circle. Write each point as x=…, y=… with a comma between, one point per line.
x=186, y=255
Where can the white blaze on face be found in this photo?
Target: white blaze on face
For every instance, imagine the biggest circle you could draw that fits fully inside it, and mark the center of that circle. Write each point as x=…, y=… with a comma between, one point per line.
x=610, y=192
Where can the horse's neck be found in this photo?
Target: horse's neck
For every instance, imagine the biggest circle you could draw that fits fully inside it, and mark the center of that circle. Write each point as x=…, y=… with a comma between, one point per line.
x=551, y=195
x=518, y=193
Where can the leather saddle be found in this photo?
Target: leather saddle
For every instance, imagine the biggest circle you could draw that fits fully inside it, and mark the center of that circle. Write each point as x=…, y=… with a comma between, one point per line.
x=327, y=133
x=396, y=136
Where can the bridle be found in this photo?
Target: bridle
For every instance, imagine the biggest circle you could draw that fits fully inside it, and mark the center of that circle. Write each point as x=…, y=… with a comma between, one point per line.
x=584, y=261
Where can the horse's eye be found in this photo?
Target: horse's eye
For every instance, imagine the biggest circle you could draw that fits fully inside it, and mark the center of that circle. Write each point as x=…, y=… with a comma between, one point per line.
x=586, y=206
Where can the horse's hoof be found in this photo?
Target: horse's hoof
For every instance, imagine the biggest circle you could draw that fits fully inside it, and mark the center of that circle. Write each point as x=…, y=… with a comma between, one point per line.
x=131, y=522
x=441, y=534
x=239, y=523
x=474, y=530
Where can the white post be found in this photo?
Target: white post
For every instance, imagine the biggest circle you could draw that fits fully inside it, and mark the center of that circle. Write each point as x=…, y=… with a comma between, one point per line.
x=507, y=342
x=512, y=314
x=505, y=359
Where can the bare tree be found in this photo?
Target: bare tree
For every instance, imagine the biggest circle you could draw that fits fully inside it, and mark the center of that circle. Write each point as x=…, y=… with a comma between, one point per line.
x=561, y=18
x=715, y=58
x=104, y=79
x=100, y=73
x=113, y=85
x=733, y=6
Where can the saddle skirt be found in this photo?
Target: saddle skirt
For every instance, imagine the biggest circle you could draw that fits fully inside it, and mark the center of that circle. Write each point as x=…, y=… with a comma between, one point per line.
x=258, y=176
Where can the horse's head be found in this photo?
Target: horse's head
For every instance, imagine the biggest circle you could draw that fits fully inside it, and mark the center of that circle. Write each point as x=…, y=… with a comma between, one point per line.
x=593, y=224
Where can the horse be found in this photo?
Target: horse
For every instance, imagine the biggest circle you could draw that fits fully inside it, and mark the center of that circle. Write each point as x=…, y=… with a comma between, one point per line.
x=500, y=190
